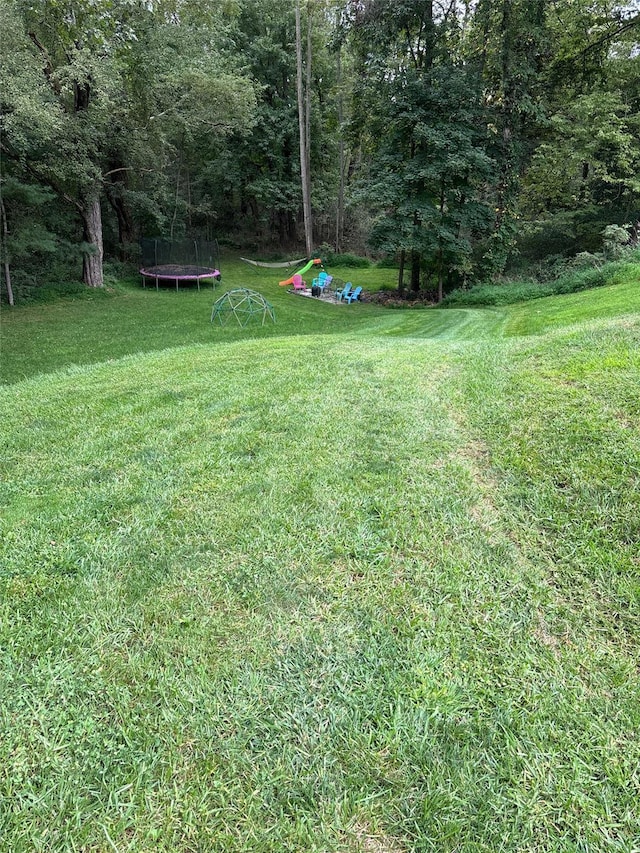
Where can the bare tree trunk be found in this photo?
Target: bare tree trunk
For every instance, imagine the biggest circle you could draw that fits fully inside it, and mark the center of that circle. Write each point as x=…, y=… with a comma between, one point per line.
x=416, y=255
x=5, y=257
x=416, y=259
x=307, y=96
x=340, y=204
x=114, y=189
x=176, y=197
x=92, y=273
x=304, y=155
x=440, y=258
x=403, y=256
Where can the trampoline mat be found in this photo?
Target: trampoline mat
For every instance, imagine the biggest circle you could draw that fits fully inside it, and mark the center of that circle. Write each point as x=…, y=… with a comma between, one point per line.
x=174, y=271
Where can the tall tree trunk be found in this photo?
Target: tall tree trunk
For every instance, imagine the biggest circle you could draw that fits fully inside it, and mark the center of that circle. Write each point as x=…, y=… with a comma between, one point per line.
x=416, y=256
x=307, y=96
x=415, y=270
x=5, y=257
x=403, y=256
x=508, y=108
x=92, y=273
x=341, y=158
x=114, y=192
x=440, y=259
x=176, y=197
x=302, y=126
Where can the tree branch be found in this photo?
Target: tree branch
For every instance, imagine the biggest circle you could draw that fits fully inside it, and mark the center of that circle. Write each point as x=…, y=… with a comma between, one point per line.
x=41, y=178
x=622, y=27
x=48, y=65
x=128, y=169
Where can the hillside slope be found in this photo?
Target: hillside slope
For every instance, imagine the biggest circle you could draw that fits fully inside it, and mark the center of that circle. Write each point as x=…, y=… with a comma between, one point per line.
x=372, y=587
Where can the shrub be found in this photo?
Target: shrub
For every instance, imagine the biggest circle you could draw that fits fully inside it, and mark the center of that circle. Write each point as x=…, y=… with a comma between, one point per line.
x=615, y=240
x=388, y=263
x=572, y=281
x=342, y=260
x=584, y=279
x=496, y=294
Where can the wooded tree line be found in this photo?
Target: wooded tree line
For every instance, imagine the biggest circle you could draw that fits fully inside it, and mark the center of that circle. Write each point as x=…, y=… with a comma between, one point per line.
x=455, y=136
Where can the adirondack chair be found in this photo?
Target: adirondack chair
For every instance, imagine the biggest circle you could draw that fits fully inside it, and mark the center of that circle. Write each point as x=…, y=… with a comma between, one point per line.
x=321, y=283
x=298, y=283
x=346, y=290
x=327, y=282
x=353, y=296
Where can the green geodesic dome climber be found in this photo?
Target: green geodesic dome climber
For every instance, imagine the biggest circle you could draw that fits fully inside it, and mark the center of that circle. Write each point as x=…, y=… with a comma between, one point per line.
x=243, y=305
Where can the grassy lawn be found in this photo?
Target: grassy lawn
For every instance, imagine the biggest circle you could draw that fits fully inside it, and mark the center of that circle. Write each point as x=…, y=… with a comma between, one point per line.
x=364, y=580
x=131, y=320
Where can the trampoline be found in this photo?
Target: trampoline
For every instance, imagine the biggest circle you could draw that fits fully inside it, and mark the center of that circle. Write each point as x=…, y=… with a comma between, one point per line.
x=185, y=261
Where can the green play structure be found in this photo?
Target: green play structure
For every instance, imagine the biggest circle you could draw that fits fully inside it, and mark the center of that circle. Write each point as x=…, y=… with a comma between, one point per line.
x=244, y=305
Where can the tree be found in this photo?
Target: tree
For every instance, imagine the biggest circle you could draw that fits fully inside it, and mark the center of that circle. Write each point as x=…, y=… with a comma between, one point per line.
x=257, y=174
x=428, y=165
x=508, y=47
x=26, y=239
x=582, y=174
x=92, y=102
x=73, y=47
x=304, y=110
x=432, y=203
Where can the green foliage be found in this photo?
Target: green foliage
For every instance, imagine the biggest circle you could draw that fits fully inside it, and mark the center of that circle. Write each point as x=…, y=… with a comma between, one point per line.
x=344, y=259
x=511, y=292
x=496, y=294
x=615, y=241
x=463, y=138
x=427, y=178
x=51, y=291
x=591, y=159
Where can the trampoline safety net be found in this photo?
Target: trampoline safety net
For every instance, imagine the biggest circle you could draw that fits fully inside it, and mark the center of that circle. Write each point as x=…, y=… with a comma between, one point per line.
x=196, y=253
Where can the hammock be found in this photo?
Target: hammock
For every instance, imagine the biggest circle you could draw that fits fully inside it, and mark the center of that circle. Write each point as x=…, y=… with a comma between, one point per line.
x=274, y=266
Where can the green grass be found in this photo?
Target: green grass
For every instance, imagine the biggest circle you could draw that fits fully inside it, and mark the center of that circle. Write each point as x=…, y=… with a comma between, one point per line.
x=132, y=320
x=363, y=580
x=606, y=302
x=510, y=293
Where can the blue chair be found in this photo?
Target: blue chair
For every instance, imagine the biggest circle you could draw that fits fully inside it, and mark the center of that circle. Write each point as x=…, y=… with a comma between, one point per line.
x=346, y=290
x=353, y=296
x=320, y=280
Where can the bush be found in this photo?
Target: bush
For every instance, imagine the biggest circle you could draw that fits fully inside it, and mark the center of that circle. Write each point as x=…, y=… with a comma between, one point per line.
x=615, y=241
x=116, y=271
x=342, y=260
x=50, y=291
x=496, y=294
x=388, y=263
x=584, y=279
x=570, y=282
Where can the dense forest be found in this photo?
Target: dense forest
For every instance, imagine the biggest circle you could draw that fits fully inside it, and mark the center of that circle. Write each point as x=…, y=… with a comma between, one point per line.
x=458, y=139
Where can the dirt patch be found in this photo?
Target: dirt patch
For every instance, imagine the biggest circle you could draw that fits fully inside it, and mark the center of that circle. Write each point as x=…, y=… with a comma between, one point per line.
x=408, y=299
x=370, y=842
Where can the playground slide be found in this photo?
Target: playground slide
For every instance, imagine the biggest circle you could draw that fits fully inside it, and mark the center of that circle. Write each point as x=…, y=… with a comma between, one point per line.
x=301, y=271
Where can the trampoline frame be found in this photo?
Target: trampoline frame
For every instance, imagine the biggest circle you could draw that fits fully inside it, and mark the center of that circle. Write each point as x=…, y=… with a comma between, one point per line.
x=161, y=273
x=178, y=260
